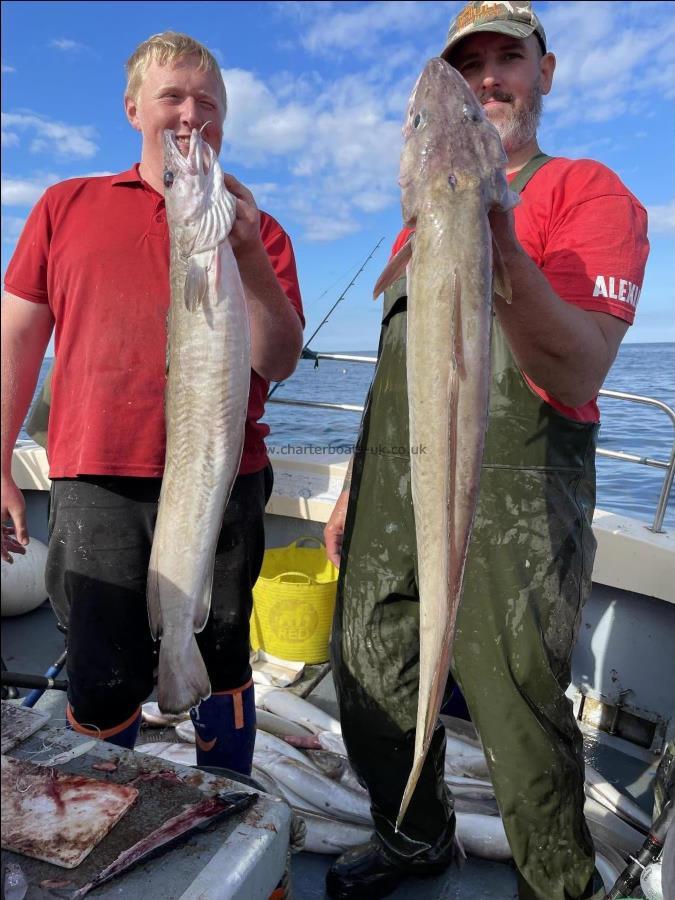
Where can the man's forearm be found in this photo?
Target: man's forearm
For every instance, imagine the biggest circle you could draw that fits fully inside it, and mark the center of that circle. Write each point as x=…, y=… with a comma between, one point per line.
x=23, y=349
x=18, y=386
x=564, y=349
x=276, y=330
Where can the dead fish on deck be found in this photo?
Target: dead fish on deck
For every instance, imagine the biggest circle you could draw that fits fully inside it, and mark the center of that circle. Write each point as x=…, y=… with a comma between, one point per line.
x=209, y=364
x=324, y=835
x=452, y=174
x=301, y=711
x=312, y=790
x=270, y=743
x=152, y=715
x=279, y=725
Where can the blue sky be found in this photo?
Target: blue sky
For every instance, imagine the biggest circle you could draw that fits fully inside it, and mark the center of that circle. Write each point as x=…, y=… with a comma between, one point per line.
x=317, y=93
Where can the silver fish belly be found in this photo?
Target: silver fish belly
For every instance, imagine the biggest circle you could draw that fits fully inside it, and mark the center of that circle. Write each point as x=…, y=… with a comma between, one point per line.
x=451, y=176
x=206, y=403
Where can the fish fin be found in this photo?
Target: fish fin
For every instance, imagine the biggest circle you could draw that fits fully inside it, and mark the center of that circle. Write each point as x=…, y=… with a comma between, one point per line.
x=182, y=679
x=154, y=606
x=457, y=332
x=168, y=343
x=509, y=199
x=501, y=280
x=413, y=778
x=196, y=284
x=395, y=268
x=202, y=609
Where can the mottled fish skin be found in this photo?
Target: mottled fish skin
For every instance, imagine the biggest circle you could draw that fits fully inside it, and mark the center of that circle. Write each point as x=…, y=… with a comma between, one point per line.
x=209, y=364
x=452, y=174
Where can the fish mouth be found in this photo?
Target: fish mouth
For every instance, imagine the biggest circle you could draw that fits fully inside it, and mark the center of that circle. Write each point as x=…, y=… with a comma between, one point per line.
x=189, y=154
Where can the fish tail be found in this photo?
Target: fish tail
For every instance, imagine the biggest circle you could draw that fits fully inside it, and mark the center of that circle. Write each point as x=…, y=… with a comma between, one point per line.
x=413, y=778
x=182, y=679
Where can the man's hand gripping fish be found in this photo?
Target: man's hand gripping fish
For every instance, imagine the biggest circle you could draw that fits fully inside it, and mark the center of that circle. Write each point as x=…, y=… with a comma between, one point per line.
x=209, y=366
x=452, y=174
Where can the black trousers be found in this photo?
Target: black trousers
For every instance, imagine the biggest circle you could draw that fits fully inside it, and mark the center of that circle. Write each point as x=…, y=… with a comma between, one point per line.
x=100, y=536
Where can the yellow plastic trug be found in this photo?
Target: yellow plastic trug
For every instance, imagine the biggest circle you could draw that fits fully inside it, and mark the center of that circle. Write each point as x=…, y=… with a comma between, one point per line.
x=293, y=602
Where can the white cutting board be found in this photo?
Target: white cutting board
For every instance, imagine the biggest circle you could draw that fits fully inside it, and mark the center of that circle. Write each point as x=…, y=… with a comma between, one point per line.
x=55, y=817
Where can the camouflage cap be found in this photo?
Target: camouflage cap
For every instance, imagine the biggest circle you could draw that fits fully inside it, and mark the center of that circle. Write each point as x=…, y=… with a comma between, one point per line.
x=515, y=19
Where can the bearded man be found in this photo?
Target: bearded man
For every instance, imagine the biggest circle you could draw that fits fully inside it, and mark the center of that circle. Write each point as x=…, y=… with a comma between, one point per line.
x=575, y=249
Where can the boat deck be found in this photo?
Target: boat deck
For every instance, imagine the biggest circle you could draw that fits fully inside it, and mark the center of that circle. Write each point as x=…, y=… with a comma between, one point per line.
x=32, y=642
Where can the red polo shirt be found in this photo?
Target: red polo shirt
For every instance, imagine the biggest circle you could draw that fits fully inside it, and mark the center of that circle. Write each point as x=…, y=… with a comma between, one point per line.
x=97, y=251
x=588, y=235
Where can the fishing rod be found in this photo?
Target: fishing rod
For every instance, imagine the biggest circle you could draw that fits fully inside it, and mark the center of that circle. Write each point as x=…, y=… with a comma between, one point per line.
x=306, y=353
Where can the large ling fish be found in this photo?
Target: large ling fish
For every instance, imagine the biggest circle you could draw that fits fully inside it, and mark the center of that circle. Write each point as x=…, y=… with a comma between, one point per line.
x=209, y=366
x=452, y=174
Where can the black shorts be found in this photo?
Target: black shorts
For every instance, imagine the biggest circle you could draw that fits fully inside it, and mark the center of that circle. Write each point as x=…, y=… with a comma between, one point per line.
x=100, y=536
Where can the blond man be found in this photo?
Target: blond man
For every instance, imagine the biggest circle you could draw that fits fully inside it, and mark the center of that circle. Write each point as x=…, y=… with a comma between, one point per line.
x=93, y=263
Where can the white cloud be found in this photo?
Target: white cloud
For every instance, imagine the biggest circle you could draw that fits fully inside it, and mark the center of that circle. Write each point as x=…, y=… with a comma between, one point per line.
x=25, y=191
x=265, y=192
x=341, y=144
x=11, y=228
x=66, y=44
x=62, y=140
x=9, y=139
x=6, y=69
x=338, y=132
x=613, y=61
x=257, y=121
x=360, y=29
x=326, y=228
x=662, y=219
x=591, y=148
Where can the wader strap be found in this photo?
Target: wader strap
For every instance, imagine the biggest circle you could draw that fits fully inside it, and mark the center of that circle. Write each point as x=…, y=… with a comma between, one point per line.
x=528, y=170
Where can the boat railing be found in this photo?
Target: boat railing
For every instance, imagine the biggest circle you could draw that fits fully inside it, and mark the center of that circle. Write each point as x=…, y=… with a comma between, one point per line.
x=667, y=465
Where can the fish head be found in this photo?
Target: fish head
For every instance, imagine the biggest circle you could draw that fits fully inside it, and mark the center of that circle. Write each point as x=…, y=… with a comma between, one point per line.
x=195, y=194
x=449, y=143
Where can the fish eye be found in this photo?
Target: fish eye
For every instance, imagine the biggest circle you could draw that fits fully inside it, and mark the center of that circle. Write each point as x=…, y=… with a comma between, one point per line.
x=420, y=119
x=168, y=178
x=471, y=114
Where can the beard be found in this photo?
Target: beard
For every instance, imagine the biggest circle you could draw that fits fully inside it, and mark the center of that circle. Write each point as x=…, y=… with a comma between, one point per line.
x=518, y=125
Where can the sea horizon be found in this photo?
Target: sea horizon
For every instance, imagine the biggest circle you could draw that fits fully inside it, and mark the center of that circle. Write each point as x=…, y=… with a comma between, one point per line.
x=374, y=349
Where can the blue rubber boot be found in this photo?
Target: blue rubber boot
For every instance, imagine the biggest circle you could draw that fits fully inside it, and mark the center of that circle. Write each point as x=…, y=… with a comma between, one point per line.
x=225, y=729
x=122, y=735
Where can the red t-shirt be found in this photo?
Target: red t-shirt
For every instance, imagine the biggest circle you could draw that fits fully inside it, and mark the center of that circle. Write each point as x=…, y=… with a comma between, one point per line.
x=97, y=251
x=588, y=235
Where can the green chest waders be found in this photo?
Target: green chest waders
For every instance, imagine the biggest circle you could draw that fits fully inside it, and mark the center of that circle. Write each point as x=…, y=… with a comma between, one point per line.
x=528, y=574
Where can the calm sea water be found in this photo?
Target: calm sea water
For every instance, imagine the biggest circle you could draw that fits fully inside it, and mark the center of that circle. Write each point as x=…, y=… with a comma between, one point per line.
x=623, y=487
